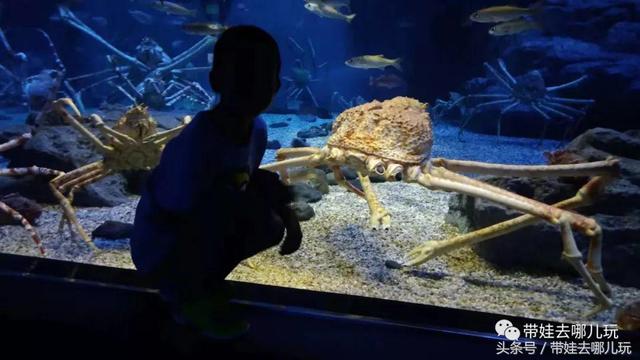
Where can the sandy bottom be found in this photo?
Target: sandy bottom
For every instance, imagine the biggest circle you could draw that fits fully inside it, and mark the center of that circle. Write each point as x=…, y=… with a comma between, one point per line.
x=341, y=254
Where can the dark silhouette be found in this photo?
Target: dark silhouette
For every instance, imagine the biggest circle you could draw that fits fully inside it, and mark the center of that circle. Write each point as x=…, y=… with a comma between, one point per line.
x=207, y=206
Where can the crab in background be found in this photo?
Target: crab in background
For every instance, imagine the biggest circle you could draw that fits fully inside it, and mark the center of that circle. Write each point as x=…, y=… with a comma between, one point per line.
x=133, y=143
x=39, y=90
x=34, y=170
x=393, y=139
x=150, y=76
x=529, y=90
x=303, y=73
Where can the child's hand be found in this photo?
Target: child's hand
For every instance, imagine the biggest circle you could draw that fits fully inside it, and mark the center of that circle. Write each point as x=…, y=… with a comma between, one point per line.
x=293, y=239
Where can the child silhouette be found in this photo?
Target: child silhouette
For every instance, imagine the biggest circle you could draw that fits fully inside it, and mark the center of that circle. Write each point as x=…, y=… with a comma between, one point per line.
x=207, y=206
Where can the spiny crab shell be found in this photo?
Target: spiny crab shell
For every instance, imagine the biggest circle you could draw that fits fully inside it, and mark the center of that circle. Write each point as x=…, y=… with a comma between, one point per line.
x=397, y=131
x=137, y=123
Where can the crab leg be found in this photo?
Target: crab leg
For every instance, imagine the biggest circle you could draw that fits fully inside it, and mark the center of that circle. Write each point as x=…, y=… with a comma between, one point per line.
x=84, y=180
x=109, y=132
x=164, y=137
x=340, y=179
x=505, y=71
x=554, y=111
x=504, y=82
x=313, y=98
x=97, y=83
x=584, y=197
x=508, y=108
x=379, y=215
x=67, y=208
x=125, y=93
x=288, y=153
x=309, y=160
x=563, y=107
x=25, y=223
x=15, y=142
x=542, y=113
x=58, y=106
x=188, y=54
x=573, y=256
x=442, y=179
x=497, y=102
x=572, y=101
x=567, y=85
x=70, y=18
x=609, y=167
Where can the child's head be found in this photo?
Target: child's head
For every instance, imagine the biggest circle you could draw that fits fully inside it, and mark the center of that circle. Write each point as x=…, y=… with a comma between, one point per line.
x=246, y=69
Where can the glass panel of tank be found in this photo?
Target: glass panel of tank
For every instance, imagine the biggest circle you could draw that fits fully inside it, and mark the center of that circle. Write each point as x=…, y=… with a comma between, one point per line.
x=481, y=155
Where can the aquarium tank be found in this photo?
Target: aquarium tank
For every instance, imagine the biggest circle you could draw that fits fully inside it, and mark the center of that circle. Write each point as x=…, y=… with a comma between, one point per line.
x=480, y=155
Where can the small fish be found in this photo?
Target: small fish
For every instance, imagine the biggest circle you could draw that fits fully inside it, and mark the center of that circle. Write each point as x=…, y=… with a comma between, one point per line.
x=141, y=17
x=388, y=81
x=173, y=9
x=498, y=14
x=338, y=4
x=373, y=62
x=514, y=27
x=212, y=29
x=328, y=11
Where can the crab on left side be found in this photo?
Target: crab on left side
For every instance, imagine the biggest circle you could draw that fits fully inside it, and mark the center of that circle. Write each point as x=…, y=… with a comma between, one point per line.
x=133, y=143
x=33, y=170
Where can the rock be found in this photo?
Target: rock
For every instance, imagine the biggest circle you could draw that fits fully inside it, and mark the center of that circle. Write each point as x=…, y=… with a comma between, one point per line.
x=313, y=132
x=297, y=142
x=628, y=317
x=349, y=173
x=543, y=52
x=537, y=248
x=318, y=179
x=136, y=180
x=311, y=118
x=375, y=178
x=28, y=208
x=273, y=145
x=279, y=125
x=327, y=126
x=113, y=230
x=288, y=119
x=303, y=211
x=61, y=148
x=624, y=36
x=331, y=179
x=13, y=131
x=164, y=121
x=306, y=193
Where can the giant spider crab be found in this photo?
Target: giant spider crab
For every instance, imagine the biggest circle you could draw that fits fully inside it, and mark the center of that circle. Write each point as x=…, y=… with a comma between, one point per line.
x=34, y=170
x=134, y=143
x=40, y=89
x=529, y=90
x=151, y=76
x=303, y=74
x=394, y=139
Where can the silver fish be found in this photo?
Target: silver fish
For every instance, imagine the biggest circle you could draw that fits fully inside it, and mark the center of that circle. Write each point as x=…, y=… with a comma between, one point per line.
x=212, y=29
x=171, y=8
x=141, y=17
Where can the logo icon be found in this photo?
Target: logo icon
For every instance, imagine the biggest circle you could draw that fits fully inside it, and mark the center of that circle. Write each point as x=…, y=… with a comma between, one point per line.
x=505, y=328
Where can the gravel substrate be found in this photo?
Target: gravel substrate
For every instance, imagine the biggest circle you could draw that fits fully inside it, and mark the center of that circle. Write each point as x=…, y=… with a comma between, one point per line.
x=341, y=254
